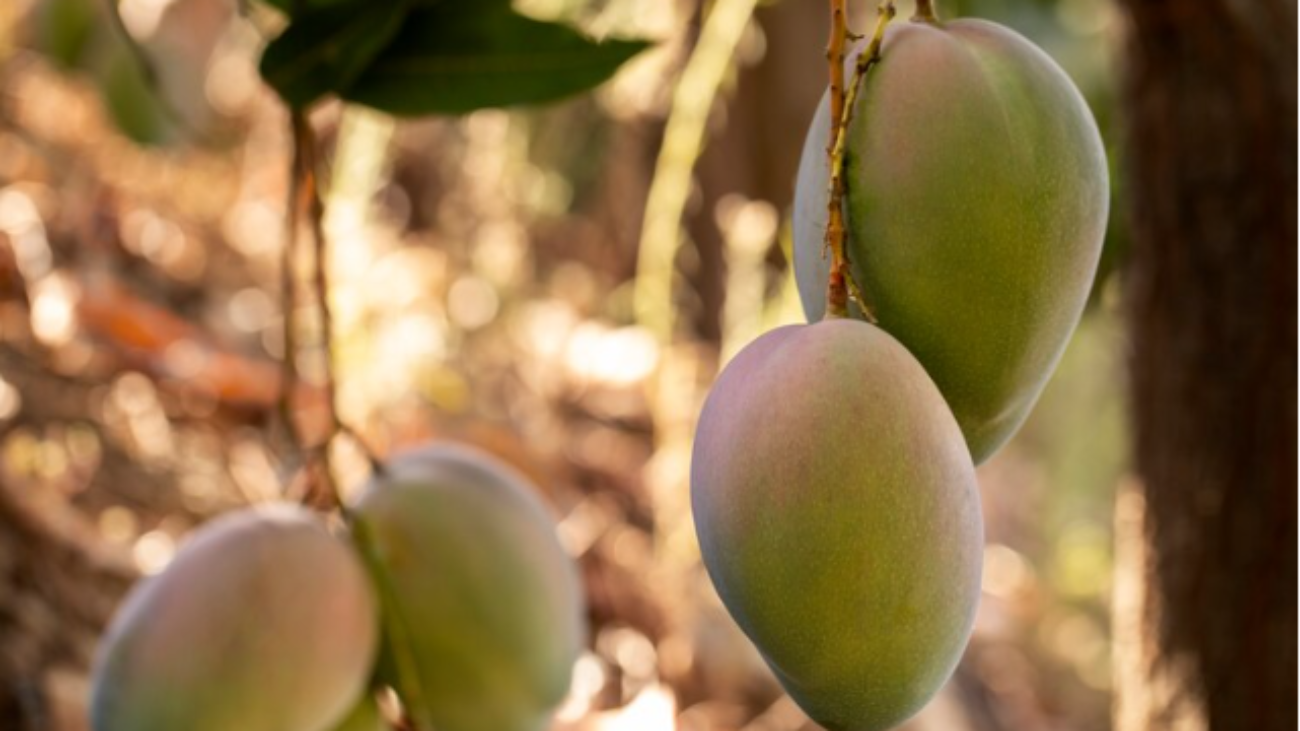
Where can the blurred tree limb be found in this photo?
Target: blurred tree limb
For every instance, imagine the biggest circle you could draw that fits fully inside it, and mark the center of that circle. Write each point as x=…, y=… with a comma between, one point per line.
x=661, y=229
x=1211, y=116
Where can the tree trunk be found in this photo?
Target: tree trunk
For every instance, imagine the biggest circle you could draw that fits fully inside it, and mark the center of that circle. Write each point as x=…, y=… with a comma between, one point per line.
x=1211, y=117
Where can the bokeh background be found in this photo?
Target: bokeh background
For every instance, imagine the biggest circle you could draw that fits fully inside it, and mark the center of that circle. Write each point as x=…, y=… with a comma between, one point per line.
x=514, y=279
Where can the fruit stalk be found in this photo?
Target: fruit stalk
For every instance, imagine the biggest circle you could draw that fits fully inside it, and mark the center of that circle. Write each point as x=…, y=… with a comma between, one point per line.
x=841, y=285
x=305, y=194
x=836, y=289
x=288, y=302
x=925, y=12
x=304, y=142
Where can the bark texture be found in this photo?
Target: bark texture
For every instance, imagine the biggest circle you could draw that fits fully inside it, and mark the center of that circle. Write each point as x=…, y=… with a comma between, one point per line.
x=1211, y=135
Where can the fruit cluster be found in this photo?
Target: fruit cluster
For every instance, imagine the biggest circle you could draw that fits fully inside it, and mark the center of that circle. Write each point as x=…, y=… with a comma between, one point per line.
x=451, y=588
x=833, y=478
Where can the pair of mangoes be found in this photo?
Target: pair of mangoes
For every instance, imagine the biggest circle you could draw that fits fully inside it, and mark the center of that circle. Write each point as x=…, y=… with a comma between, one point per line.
x=833, y=482
x=460, y=597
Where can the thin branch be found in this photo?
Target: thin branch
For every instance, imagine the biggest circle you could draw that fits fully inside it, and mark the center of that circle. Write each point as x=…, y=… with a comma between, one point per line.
x=304, y=144
x=376, y=465
x=836, y=291
x=289, y=300
x=306, y=176
x=841, y=285
x=320, y=259
x=684, y=137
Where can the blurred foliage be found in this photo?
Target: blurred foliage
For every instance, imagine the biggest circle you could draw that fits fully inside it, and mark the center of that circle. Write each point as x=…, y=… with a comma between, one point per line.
x=130, y=100
x=324, y=50
x=64, y=29
x=482, y=276
x=78, y=36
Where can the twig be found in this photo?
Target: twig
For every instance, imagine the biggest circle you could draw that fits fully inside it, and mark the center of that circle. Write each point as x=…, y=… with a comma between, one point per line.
x=289, y=300
x=376, y=465
x=841, y=285
x=836, y=291
x=306, y=177
x=304, y=144
x=856, y=296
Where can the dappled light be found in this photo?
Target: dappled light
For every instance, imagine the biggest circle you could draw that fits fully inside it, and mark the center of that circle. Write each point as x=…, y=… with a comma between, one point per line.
x=556, y=285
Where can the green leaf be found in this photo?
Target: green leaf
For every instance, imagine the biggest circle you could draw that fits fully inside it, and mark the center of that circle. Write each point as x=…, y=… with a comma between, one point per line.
x=65, y=29
x=456, y=57
x=131, y=103
x=292, y=8
x=325, y=49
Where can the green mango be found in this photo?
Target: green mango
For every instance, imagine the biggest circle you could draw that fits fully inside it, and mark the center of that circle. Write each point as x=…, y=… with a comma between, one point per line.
x=483, y=609
x=839, y=519
x=263, y=621
x=976, y=203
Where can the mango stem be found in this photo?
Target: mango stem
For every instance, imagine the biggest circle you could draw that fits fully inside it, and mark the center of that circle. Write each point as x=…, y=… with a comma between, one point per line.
x=305, y=193
x=836, y=291
x=841, y=287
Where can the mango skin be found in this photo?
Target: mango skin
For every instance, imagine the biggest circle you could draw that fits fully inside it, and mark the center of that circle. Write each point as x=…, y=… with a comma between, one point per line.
x=483, y=609
x=976, y=204
x=839, y=519
x=262, y=622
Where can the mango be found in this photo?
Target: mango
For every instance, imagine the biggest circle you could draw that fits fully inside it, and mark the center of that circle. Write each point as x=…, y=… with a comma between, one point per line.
x=262, y=622
x=839, y=519
x=976, y=199
x=483, y=610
